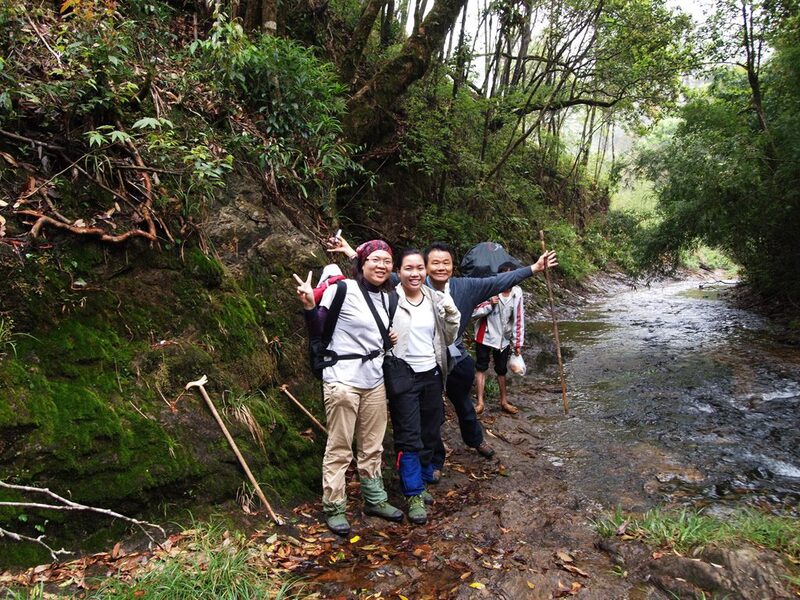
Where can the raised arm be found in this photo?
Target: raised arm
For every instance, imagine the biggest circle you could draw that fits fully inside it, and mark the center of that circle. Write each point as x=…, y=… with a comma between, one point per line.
x=483, y=288
x=337, y=243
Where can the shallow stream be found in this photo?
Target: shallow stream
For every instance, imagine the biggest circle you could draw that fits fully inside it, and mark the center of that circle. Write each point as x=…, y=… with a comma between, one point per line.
x=676, y=397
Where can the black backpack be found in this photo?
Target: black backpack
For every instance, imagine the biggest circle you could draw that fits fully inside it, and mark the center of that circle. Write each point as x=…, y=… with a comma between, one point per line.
x=319, y=354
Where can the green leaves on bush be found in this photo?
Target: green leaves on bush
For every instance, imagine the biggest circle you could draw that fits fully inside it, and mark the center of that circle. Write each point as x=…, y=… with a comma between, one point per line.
x=297, y=97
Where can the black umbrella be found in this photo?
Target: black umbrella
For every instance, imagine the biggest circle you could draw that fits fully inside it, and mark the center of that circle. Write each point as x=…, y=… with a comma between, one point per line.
x=484, y=259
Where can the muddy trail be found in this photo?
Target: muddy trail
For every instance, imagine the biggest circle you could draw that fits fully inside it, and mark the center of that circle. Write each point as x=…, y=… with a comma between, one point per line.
x=676, y=399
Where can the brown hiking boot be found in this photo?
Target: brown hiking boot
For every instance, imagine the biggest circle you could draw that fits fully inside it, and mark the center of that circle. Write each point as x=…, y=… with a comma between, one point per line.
x=485, y=450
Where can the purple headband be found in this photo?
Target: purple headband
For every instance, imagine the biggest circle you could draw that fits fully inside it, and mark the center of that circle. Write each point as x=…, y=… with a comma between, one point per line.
x=367, y=248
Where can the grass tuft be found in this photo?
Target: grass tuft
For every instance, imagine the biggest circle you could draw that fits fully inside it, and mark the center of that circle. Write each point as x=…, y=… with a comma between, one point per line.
x=687, y=530
x=216, y=565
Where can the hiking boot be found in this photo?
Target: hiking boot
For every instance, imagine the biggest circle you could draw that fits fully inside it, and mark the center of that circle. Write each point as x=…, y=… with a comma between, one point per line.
x=376, y=501
x=426, y=496
x=335, y=517
x=485, y=450
x=416, y=510
x=384, y=510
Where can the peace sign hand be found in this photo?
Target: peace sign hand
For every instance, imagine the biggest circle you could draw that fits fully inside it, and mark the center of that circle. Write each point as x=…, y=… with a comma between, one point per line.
x=304, y=291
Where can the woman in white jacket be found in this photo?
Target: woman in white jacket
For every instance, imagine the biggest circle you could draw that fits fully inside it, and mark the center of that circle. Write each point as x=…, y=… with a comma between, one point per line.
x=499, y=330
x=425, y=323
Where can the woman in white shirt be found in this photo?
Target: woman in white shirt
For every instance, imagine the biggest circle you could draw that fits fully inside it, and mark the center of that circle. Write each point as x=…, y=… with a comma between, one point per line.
x=425, y=323
x=353, y=390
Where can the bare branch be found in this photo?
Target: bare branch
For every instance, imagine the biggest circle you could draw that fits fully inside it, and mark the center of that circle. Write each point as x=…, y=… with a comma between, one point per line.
x=70, y=505
x=44, y=41
x=18, y=537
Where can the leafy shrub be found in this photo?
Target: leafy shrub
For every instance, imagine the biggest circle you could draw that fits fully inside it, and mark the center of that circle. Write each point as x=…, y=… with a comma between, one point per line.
x=297, y=97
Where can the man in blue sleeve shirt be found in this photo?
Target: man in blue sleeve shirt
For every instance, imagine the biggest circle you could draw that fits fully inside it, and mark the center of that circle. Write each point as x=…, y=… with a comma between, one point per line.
x=468, y=292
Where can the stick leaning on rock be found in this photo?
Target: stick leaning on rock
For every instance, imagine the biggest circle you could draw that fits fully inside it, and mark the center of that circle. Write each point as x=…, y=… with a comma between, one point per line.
x=199, y=384
x=285, y=389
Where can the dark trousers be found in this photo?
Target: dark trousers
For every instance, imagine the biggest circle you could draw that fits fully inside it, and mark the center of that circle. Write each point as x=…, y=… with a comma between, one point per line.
x=417, y=416
x=459, y=385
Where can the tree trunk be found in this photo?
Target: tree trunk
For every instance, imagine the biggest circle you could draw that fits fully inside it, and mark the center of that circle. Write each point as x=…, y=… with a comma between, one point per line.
x=369, y=106
x=525, y=42
x=252, y=15
x=269, y=17
x=459, y=75
x=419, y=13
x=359, y=39
x=386, y=24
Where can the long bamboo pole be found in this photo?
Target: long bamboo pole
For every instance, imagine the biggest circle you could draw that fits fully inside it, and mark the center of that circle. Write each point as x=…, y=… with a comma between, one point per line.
x=199, y=384
x=285, y=390
x=555, y=329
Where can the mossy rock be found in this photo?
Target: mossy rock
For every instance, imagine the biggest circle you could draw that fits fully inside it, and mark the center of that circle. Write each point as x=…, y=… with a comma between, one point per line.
x=93, y=405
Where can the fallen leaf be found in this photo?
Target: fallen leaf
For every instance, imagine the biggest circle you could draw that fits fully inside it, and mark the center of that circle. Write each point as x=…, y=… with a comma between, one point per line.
x=9, y=159
x=657, y=555
x=530, y=584
x=354, y=539
x=574, y=569
x=477, y=585
x=465, y=575
x=422, y=550
x=623, y=527
x=115, y=552
x=401, y=597
x=564, y=556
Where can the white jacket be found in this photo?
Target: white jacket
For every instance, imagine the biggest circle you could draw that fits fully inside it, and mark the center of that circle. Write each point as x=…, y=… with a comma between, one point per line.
x=501, y=324
x=446, y=320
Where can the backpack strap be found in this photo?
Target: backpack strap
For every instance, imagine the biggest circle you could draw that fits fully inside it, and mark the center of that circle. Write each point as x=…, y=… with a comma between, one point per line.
x=333, y=313
x=393, y=300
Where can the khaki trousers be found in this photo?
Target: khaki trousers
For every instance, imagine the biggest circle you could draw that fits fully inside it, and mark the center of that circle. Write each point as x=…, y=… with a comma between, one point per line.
x=352, y=412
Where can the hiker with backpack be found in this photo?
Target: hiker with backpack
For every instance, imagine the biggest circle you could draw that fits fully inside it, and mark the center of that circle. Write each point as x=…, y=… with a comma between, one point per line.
x=499, y=330
x=352, y=375
x=425, y=323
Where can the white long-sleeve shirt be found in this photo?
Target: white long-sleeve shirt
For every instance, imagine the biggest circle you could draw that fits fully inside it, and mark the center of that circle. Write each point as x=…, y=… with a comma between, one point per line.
x=501, y=324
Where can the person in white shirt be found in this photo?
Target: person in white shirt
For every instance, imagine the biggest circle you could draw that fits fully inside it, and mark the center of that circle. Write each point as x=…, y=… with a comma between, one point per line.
x=499, y=330
x=353, y=390
x=425, y=324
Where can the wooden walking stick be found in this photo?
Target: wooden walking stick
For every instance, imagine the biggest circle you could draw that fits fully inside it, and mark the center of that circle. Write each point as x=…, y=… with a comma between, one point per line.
x=199, y=384
x=285, y=390
x=555, y=329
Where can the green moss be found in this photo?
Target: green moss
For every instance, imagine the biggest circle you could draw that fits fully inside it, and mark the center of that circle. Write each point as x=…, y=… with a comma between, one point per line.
x=94, y=402
x=204, y=268
x=20, y=553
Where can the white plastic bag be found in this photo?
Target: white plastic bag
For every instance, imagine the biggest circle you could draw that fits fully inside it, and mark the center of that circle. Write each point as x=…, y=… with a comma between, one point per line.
x=516, y=364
